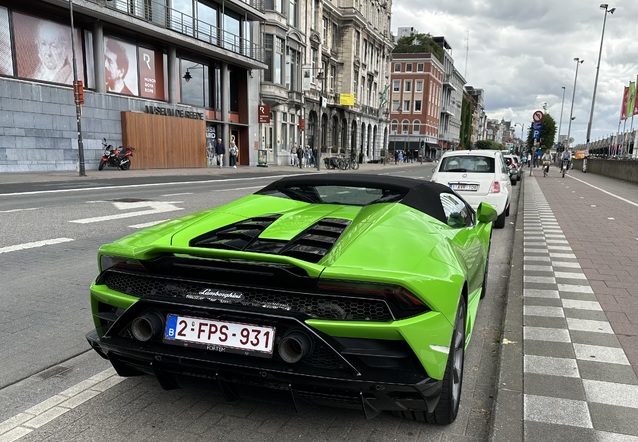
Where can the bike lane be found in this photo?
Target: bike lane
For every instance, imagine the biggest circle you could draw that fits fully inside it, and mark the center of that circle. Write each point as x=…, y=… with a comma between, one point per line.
x=578, y=311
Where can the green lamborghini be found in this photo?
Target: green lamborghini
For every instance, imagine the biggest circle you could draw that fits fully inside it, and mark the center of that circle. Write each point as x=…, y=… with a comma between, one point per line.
x=359, y=290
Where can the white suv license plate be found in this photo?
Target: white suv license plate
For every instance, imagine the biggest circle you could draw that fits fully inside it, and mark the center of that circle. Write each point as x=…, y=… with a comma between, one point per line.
x=464, y=187
x=221, y=336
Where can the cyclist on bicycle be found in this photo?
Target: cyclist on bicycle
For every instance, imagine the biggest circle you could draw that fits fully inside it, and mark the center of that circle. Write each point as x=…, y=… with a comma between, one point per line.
x=546, y=160
x=566, y=157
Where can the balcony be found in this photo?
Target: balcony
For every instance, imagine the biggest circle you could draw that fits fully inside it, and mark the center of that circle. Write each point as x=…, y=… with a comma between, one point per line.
x=158, y=14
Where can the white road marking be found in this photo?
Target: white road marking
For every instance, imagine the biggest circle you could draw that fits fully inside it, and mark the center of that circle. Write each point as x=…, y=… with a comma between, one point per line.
x=177, y=194
x=154, y=207
x=18, y=210
x=174, y=183
x=34, y=244
x=46, y=411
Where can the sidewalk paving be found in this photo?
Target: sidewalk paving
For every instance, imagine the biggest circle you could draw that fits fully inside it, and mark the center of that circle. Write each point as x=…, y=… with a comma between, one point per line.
x=569, y=355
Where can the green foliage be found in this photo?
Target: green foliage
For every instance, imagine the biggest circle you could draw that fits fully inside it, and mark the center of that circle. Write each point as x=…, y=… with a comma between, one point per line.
x=489, y=144
x=417, y=43
x=467, y=112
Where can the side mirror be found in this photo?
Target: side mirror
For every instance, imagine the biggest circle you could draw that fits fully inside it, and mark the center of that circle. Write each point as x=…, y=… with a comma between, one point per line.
x=486, y=213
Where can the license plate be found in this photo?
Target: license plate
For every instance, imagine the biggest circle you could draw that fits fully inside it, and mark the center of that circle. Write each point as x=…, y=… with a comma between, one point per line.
x=221, y=336
x=464, y=187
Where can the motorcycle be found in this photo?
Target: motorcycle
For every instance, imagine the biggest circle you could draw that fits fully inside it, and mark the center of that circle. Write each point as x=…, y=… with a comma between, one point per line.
x=113, y=157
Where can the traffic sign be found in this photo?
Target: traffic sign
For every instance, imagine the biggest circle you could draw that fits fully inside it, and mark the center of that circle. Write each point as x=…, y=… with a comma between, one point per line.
x=538, y=116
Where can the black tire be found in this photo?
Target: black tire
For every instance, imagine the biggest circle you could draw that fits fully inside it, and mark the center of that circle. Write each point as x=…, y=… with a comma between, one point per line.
x=102, y=164
x=514, y=181
x=125, y=166
x=500, y=221
x=487, y=266
x=354, y=164
x=448, y=406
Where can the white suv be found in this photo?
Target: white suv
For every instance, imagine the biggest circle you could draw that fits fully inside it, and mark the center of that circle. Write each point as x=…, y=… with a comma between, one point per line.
x=477, y=175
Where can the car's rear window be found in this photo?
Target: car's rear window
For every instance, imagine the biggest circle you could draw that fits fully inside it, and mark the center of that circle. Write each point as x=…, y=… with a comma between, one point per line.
x=467, y=163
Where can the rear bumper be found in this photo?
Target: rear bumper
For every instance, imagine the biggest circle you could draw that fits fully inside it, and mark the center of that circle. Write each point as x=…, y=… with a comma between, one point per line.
x=373, y=392
x=496, y=200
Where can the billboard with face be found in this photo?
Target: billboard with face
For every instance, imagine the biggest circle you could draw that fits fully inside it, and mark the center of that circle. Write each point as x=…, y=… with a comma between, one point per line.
x=120, y=66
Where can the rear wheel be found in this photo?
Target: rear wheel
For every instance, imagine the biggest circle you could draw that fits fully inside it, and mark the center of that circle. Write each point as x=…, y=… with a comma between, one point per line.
x=448, y=406
x=102, y=164
x=500, y=221
x=125, y=166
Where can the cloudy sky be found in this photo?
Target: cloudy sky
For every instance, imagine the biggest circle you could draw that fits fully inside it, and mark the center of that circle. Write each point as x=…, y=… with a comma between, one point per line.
x=521, y=53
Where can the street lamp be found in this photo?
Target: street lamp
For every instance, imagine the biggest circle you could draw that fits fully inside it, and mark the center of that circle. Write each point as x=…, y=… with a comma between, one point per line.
x=76, y=95
x=560, y=122
x=604, y=6
x=571, y=112
x=320, y=77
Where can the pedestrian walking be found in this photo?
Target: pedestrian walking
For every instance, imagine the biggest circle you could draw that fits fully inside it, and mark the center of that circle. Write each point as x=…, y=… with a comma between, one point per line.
x=293, y=155
x=220, y=151
x=233, y=153
x=300, y=157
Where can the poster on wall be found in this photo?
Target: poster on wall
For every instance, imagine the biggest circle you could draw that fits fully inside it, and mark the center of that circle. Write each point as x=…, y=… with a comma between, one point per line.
x=151, y=74
x=43, y=50
x=120, y=62
x=6, y=62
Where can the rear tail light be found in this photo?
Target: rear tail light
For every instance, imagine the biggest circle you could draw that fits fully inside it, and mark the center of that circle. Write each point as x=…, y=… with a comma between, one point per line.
x=495, y=187
x=405, y=300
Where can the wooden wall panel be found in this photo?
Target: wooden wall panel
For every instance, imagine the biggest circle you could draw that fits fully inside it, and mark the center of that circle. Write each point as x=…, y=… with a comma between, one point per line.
x=162, y=142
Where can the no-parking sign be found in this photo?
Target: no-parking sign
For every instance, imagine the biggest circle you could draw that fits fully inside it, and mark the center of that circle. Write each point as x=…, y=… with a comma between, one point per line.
x=538, y=116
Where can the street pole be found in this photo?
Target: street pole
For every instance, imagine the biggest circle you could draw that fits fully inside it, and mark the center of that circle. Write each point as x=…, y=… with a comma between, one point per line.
x=560, y=122
x=571, y=112
x=600, y=51
x=76, y=97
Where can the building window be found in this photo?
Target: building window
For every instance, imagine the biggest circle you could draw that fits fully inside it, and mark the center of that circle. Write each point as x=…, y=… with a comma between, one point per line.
x=268, y=56
x=357, y=43
x=324, y=31
x=274, y=5
x=333, y=75
x=407, y=85
x=397, y=67
x=355, y=82
x=313, y=14
x=419, y=67
x=406, y=105
x=418, y=85
x=416, y=126
x=292, y=13
x=396, y=85
x=408, y=67
x=279, y=61
x=405, y=126
x=417, y=105
x=395, y=125
x=395, y=106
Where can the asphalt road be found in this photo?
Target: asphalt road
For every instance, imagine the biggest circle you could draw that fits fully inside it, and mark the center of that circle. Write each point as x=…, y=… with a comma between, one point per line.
x=50, y=234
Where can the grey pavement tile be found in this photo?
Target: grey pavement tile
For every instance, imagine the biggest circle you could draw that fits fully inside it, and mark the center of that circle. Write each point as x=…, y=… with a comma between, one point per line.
x=612, y=393
x=550, y=366
x=541, y=321
x=559, y=411
x=547, y=312
x=594, y=338
x=614, y=419
x=597, y=353
x=581, y=305
x=542, y=302
x=546, y=334
x=551, y=349
x=623, y=374
x=537, y=432
x=554, y=386
x=540, y=293
x=591, y=315
x=579, y=296
x=604, y=436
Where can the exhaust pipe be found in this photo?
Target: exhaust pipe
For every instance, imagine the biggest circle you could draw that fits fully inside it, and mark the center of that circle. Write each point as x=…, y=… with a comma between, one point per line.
x=147, y=326
x=294, y=346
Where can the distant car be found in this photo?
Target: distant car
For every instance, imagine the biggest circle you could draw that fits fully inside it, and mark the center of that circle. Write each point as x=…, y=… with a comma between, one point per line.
x=519, y=162
x=513, y=168
x=478, y=176
x=356, y=289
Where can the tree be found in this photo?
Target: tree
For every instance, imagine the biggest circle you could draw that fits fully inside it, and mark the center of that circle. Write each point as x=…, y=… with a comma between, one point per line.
x=417, y=43
x=467, y=113
x=489, y=144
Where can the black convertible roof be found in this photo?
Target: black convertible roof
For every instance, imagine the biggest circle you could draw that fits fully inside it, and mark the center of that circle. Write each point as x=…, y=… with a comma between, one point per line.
x=421, y=195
